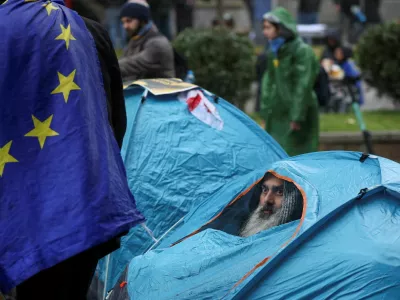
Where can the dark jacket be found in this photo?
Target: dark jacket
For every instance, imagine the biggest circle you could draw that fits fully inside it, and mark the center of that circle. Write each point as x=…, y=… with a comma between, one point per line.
x=309, y=6
x=150, y=56
x=111, y=78
x=331, y=43
x=115, y=103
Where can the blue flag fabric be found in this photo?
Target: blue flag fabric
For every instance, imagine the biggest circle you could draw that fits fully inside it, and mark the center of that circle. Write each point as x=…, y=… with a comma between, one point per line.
x=63, y=186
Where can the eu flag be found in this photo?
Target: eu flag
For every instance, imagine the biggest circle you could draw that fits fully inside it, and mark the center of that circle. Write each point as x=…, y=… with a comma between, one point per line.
x=63, y=186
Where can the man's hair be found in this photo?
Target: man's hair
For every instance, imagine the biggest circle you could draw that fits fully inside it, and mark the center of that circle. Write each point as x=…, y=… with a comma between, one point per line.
x=266, y=177
x=292, y=205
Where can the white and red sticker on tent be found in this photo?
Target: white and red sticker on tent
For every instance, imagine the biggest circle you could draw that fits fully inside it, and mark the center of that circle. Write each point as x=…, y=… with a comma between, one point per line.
x=202, y=108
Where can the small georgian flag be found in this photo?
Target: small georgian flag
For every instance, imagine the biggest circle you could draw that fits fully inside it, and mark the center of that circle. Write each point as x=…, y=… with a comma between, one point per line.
x=202, y=108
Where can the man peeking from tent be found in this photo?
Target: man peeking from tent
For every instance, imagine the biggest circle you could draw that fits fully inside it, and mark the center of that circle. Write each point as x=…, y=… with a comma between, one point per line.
x=271, y=203
x=280, y=202
x=64, y=197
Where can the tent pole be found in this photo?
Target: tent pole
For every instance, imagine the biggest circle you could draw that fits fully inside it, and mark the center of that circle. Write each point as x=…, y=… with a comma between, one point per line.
x=149, y=232
x=106, y=276
x=360, y=120
x=168, y=231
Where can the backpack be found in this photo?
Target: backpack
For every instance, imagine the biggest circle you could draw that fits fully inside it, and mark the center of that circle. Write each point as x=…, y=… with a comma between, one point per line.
x=322, y=88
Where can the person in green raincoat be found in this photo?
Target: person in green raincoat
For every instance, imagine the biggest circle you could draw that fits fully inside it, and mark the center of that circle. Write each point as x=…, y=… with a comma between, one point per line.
x=289, y=105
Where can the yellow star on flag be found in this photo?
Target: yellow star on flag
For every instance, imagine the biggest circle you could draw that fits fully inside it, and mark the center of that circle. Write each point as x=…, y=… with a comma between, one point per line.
x=49, y=7
x=67, y=85
x=5, y=157
x=66, y=35
x=42, y=130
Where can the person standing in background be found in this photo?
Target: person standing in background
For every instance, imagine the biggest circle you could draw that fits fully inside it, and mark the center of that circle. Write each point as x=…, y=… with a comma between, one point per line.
x=360, y=14
x=149, y=54
x=308, y=12
x=289, y=104
x=332, y=41
x=342, y=56
x=370, y=8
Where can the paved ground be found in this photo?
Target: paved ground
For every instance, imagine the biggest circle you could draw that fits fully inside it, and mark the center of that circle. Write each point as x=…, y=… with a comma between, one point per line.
x=372, y=102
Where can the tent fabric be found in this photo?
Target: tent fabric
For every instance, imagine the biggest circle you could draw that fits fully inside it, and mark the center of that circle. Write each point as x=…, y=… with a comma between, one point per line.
x=346, y=244
x=328, y=172
x=359, y=259
x=176, y=162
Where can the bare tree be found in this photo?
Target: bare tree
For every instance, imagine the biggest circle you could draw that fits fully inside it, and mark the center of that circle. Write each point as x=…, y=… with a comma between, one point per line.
x=220, y=10
x=250, y=9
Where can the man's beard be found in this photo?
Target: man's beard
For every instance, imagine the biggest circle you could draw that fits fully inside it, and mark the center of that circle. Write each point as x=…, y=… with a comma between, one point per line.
x=263, y=218
x=131, y=33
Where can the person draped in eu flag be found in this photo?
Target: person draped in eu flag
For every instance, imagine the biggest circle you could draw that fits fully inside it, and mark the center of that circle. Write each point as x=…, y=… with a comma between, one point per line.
x=64, y=197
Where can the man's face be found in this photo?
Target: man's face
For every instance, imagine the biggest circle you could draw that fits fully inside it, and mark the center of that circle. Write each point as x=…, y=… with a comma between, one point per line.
x=271, y=194
x=268, y=212
x=269, y=30
x=130, y=25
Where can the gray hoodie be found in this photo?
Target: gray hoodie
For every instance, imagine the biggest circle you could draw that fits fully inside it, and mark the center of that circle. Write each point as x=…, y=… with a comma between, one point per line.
x=150, y=56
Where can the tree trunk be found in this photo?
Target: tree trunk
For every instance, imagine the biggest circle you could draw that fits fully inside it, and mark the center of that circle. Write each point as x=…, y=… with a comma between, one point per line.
x=184, y=15
x=220, y=10
x=250, y=9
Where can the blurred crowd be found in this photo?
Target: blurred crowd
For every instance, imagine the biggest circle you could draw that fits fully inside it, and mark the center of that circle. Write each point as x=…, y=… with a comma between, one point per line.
x=355, y=16
x=107, y=12
x=294, y=84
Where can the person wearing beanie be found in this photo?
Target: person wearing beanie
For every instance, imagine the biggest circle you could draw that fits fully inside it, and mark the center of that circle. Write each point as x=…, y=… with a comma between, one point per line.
x=289, y=104
x=332, y=41
x=148, y=54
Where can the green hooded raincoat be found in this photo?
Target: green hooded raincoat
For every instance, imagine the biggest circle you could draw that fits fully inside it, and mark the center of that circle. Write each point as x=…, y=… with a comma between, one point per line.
x=288, y=92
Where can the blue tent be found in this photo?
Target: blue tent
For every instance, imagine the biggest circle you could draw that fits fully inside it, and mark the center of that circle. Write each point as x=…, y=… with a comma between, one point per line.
x=176, y=162
x=346, y=245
